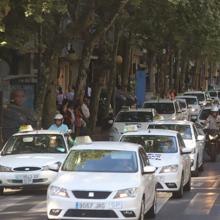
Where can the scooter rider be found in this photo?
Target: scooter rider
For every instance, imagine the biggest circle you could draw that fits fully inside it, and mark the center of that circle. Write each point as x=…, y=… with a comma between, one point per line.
x=58, y=125
x=213, y=120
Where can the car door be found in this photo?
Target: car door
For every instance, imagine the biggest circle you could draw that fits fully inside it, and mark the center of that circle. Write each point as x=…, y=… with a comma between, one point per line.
x=148, y=179
x=185, y=159
x=200, y=146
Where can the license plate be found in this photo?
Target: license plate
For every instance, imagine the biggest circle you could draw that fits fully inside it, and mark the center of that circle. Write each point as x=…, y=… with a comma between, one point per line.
x=26, y=178
x=98, y=205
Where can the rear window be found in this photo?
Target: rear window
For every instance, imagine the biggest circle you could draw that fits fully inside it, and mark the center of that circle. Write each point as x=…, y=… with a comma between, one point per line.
x=161, y=107
x=184, y=130
x=134, y=117
x=200, y=96
x=153, y=143
x=213, y=94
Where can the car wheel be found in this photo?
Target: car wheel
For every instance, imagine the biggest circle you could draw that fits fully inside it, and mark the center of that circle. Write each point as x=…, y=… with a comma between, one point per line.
x=142, y=214
x=187, y=187
x=1, y=190
x=179, y=194
x=152, y=211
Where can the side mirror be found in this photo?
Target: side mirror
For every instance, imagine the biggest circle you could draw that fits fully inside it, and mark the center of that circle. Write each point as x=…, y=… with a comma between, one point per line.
x=200, y=138
x=54, y=167
x=149, y=170
x=186, y=151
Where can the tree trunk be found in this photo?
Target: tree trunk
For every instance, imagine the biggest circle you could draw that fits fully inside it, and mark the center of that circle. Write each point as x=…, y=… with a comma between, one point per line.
x=126, y=64
x=177, y=70
x=96, y=91
x=113, y=72
x=83, y=69
x=49, y=109
x=183, y=75
x=152, y=70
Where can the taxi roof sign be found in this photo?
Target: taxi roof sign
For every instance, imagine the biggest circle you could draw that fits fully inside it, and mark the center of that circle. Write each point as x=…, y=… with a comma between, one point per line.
x=25, y=128
x=130, y=128
x=83, y=140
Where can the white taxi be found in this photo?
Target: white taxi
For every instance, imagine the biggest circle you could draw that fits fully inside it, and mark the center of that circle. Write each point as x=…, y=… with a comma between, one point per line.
x=167, y=109
x=191, y=137
x=167, y=152
x=26, y=158
x=140, y=117
x=103, y=180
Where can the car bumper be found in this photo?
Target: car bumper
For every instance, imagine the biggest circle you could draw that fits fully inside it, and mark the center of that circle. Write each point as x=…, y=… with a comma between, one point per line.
x=70, y=208
x=168, y=182
x=26, y=179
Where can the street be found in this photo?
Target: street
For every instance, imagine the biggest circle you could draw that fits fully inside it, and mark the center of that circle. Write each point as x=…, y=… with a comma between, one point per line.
x=202, y=202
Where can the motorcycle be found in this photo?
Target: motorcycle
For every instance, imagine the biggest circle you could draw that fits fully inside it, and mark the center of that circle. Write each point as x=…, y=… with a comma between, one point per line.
x=212, y=143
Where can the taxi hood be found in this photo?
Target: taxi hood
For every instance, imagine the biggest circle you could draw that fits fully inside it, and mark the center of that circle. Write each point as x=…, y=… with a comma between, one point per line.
x=33, y=160
x=163, y=159
x=100, y=181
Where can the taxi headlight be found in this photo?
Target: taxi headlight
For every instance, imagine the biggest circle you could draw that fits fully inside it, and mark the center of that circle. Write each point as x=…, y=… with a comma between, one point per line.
x=126, y=193
x=169, y=169
x=58, y=191
x=5, y=169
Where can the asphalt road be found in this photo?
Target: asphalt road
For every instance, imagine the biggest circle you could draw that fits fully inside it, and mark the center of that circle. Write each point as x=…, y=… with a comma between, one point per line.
x=202, y=203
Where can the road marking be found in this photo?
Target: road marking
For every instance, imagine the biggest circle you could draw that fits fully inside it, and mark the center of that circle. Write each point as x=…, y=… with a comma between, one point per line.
x=201, y=204
x=162, y=199
x=9, y=201
x=40, y=207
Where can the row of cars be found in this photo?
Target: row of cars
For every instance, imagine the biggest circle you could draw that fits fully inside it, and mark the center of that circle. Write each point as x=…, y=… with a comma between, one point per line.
x=95, y=180
x=102, y=180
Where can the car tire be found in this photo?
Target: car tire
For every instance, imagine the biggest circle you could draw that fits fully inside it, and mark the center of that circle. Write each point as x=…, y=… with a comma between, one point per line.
x=187, y=187
x=152, y=211
x=179, y=194
x=142, y=214
x=1, y=191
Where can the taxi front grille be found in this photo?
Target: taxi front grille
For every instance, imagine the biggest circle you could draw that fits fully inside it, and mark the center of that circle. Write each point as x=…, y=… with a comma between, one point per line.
x=26, y=169
x=91, y=194
x=88, y=213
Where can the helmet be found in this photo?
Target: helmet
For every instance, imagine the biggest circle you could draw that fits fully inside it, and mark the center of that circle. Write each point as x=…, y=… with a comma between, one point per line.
x=58, y=117
x=214, y=109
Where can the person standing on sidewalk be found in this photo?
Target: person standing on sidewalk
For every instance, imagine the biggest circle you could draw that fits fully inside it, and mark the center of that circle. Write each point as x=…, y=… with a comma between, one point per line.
x=16, y=114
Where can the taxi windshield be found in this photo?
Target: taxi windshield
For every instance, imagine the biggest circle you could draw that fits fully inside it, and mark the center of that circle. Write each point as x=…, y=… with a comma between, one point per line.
x=200, y=96
x=37, y=143
x=191, y=101
x=205, y=113
x=184, y=130
x=134, y=117
x=161, y=107
x=153, y=143
x=110, y=161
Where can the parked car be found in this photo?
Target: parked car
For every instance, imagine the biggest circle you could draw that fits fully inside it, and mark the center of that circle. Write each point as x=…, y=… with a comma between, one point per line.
x=191, y=137
x=103, y=180
x=26, y=158
x=167, y=152
x=168, y=109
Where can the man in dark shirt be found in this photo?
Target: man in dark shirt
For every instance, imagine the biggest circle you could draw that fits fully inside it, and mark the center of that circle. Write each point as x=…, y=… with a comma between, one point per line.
x=16, y=114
